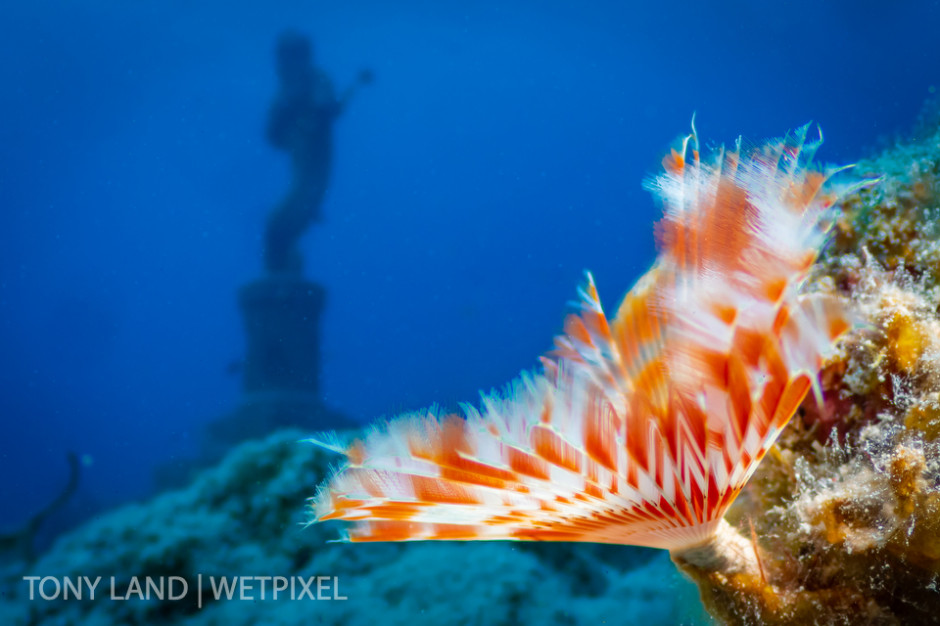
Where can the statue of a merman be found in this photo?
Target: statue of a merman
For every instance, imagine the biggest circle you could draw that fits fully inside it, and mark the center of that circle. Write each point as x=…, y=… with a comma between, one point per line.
x=301, y=123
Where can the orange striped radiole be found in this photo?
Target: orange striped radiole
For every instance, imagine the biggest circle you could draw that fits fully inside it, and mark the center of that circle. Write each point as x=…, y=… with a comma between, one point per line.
x=644, y=428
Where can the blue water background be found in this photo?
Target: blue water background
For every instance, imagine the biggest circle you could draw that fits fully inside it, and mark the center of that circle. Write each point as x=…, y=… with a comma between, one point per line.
x=499, y=154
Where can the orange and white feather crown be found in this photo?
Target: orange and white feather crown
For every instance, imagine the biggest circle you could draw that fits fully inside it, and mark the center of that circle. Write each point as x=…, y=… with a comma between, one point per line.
x=643, y=428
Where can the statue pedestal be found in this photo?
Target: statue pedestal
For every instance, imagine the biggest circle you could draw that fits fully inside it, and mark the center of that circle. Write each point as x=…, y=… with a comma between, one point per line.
x=282, y=326
x=281, y=375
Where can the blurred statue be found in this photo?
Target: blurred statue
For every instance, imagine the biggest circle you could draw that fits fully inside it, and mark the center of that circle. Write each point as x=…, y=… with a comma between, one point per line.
x=282, y=309
x=301, y=123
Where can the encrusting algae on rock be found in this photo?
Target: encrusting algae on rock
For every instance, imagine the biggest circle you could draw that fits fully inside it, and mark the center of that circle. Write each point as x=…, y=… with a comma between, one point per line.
x=644, y=429
x=846, y=508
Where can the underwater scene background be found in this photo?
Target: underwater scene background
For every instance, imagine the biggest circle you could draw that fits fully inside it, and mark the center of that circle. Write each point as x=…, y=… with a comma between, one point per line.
x=497, y=150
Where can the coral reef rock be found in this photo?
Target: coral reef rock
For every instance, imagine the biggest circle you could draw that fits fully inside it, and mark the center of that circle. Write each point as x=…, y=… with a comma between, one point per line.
x=844, y=512
x=246, y=517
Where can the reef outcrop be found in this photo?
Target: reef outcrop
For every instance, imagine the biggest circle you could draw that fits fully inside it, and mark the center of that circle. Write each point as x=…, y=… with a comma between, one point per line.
x=844, y=513
x=245, y=518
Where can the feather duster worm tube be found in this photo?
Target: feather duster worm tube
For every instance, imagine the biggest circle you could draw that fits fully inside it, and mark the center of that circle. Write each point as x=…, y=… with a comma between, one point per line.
x=644, y=427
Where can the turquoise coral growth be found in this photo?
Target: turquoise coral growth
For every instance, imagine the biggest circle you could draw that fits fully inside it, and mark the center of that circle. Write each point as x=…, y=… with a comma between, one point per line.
x=245, y=517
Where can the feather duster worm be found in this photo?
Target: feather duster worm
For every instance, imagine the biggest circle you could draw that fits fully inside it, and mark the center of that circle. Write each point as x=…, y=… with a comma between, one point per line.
x=643, y=428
